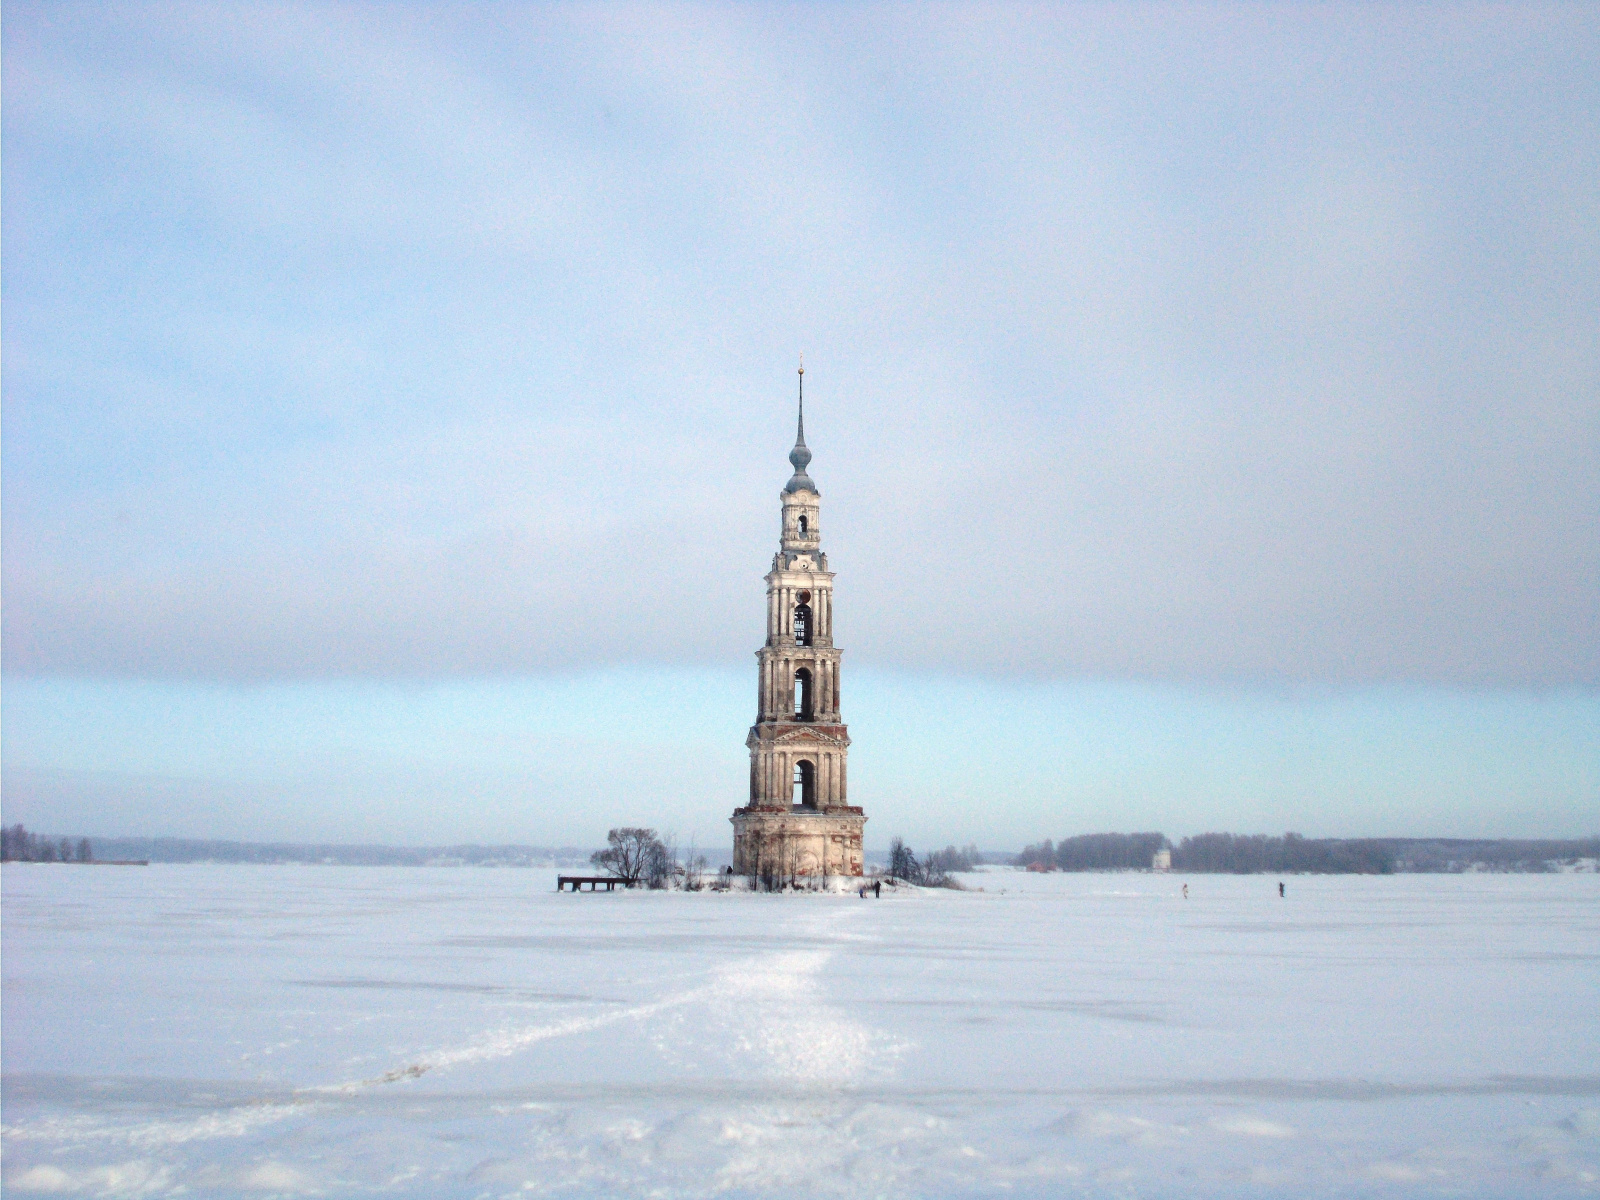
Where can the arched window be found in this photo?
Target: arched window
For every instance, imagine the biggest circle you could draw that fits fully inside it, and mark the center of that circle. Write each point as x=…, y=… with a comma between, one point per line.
x=802, y=527
x=805, y=784
x=802, y=625
x=803, y=707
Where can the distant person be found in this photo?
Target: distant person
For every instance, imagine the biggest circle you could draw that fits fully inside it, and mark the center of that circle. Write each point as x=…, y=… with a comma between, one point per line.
x=877, y=890
x=1186, y=891
x=1280, y=889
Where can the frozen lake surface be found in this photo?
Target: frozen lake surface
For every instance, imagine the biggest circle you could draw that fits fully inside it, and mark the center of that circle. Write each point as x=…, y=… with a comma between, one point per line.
x=344, y=1031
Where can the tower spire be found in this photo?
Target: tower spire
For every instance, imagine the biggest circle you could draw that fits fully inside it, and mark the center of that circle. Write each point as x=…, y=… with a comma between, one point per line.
x=800, y=456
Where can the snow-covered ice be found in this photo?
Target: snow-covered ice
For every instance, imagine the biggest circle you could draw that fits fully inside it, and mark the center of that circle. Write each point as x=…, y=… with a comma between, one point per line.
x=250, y=1031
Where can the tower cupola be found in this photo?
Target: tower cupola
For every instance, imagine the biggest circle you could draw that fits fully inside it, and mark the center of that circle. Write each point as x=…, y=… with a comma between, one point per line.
x=800, y=456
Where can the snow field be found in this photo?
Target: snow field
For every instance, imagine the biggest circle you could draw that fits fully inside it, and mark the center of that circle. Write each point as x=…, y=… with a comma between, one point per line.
x=449, y=1032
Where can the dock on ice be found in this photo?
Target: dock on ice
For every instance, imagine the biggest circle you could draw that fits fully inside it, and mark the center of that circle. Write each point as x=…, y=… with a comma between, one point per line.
x=594, y=882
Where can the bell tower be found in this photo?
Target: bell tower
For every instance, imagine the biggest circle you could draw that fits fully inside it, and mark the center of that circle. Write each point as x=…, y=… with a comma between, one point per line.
x=798, y=820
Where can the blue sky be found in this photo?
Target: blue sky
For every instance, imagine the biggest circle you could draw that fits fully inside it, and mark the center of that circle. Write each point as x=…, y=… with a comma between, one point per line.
x=1204, y=402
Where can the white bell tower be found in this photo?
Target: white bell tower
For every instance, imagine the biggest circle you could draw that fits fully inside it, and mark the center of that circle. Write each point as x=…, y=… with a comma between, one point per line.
x=798, y=820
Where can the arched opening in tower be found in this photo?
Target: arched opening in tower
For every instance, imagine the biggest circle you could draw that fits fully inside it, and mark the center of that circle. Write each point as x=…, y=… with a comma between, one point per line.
x=802, y=625
x=804, y=708
x=805, y=787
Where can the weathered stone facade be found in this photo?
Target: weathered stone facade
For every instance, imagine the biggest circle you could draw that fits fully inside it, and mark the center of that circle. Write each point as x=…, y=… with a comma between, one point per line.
x=798, y=820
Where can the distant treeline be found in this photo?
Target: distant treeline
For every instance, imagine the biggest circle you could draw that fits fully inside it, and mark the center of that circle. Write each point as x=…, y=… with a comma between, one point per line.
x=18, y=845
x=190, y=850
x=1095, y=852
x=1246, y=854
x=1240, y=854
x=1465, y=854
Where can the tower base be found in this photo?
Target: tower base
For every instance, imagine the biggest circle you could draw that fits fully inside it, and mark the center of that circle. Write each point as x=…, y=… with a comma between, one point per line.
x=797, y=842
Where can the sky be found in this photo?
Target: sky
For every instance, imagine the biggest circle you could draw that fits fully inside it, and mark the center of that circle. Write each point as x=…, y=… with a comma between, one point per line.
x=1205, y=403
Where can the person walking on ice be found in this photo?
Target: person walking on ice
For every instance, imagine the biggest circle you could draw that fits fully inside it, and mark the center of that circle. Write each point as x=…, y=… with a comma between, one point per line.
x=1186, y=891
x=1280, y=889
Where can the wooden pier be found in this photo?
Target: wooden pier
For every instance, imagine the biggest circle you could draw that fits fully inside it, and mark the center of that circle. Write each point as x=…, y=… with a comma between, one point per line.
x=594, y=882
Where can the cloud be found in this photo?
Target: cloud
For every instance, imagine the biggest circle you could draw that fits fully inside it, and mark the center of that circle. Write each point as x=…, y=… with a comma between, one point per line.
x=435, y=344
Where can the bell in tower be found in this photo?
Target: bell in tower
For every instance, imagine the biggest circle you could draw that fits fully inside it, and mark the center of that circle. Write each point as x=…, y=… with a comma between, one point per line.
x=798, y=821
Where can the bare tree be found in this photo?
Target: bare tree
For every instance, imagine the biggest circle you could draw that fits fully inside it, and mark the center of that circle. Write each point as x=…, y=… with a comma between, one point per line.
x=660, y=862
x=628, y=854
x=694, y=869
x=793, y=860
x=84, y=853
x=902, y=862
x=769, y=872
x=939, y=866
